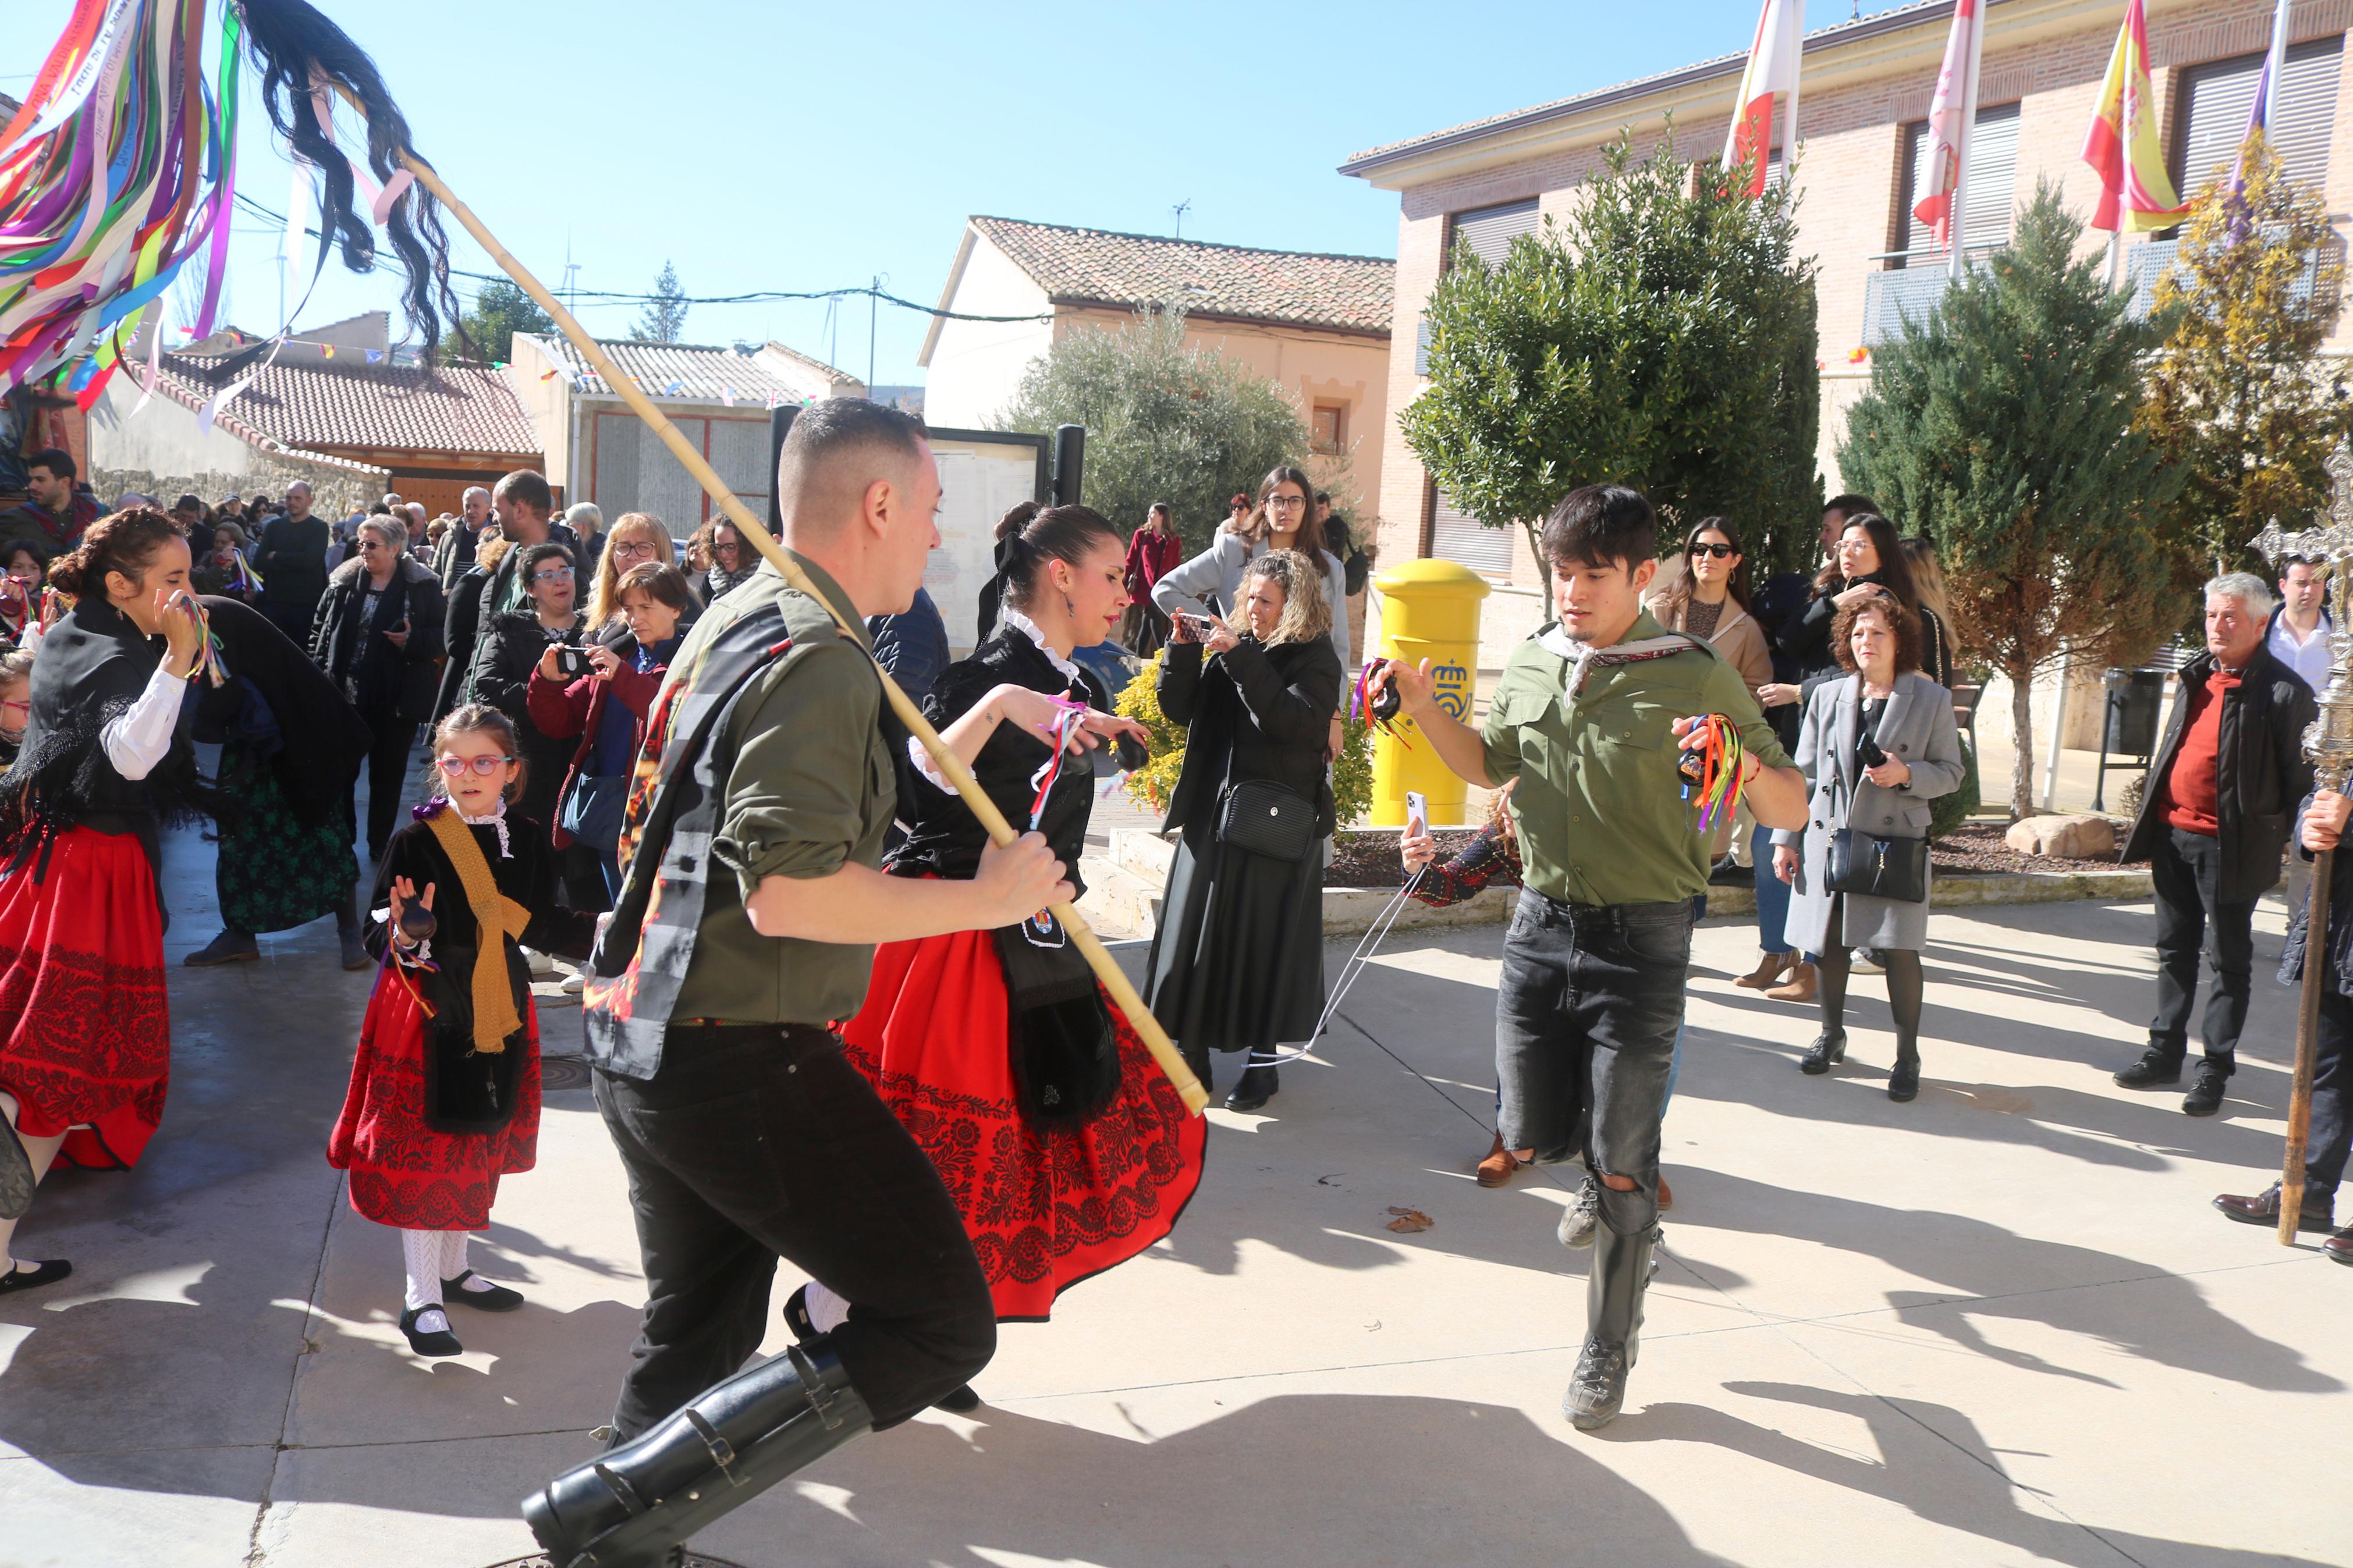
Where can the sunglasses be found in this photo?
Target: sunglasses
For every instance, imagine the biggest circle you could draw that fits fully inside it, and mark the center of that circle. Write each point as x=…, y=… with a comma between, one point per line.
x=456, y=766
x=1721, y=552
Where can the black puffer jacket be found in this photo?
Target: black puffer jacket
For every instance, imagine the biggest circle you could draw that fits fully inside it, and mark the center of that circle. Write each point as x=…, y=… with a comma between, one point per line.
x=509, y=645
x=2260, y=772
x=371, y=670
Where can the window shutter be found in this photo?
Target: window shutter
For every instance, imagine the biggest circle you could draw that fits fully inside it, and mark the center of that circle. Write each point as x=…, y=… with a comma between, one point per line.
x=1421, y=337
x=1489, y=231
x=1988, y=185
x=1456, y=536
x=2223, y=94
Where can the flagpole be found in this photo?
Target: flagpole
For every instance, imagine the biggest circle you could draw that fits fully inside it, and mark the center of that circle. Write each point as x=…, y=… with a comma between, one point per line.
x=1797, y=73
x=1106, y=969
x=1957, y=263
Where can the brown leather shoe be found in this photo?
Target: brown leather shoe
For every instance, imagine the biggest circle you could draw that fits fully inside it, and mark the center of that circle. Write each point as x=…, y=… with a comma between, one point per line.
x=1666, y=1193
x=1497, y=1167
x=2339, y=1249
x=1769, y=969
x=2264, y=1208
x=1802, y=985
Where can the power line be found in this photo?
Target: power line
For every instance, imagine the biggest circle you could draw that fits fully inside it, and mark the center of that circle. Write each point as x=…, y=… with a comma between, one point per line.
x=757, y=297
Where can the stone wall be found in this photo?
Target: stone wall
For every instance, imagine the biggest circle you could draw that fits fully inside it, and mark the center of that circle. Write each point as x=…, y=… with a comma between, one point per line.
x=337, y=489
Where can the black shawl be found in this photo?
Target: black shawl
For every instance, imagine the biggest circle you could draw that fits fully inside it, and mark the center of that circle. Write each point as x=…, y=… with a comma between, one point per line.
x=93, y=665
x=946, y=838
x=323, y=736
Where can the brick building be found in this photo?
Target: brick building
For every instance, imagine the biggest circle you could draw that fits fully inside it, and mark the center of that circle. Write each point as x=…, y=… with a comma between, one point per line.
x=1317, y=326
x=1865, y=104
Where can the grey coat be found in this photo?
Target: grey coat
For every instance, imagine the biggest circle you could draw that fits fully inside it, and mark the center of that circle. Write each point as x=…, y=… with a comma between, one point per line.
x=1918, y=728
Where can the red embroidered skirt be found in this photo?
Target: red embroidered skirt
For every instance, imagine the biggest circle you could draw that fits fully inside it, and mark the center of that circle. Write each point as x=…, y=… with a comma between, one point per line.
x=402, y=1172
x=85, y=1030
x=1045, y=1210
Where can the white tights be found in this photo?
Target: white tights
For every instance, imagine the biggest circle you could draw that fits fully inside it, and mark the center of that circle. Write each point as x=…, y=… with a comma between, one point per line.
x=40, y=1150
x=433, y=1256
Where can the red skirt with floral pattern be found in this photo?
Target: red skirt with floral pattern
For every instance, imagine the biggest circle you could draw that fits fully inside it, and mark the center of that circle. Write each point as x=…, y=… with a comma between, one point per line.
x=404, y=1172
x=85, y=1027
x=1045, y=1210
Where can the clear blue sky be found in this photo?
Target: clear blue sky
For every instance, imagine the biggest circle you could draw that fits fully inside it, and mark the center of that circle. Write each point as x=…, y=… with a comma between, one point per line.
x=774, y=146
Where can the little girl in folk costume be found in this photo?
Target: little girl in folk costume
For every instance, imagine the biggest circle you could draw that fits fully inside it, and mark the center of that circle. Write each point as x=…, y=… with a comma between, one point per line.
x=444, y=1097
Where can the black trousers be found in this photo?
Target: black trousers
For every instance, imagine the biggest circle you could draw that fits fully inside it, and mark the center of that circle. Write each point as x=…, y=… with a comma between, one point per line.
x=2189, y=918
x=2330, y=1139
x=1586, y=1016
x=387, y=774
x=755, y=1142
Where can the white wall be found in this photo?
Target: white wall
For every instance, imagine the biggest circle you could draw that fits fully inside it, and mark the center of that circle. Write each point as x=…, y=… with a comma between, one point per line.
x=976, y=365
x=978, y=483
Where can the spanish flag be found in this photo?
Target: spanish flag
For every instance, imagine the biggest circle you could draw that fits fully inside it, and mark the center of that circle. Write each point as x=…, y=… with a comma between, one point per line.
x=2135, y=193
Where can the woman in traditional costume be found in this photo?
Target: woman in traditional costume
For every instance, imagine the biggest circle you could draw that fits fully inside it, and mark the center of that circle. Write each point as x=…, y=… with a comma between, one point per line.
x=444, y=1097
x=85, y=1033
x=292, y=745
x=1064, y=1144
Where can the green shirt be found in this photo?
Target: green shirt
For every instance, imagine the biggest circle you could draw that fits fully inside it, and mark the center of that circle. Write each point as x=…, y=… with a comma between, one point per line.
x=811, y=790
x=1599, y=808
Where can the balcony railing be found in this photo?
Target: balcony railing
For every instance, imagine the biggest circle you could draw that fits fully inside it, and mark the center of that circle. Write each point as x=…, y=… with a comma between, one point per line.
x=1907, y=293
x=2145, y=263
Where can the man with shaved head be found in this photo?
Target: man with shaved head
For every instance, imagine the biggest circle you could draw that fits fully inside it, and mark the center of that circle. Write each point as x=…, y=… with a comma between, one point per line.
x=751, y=904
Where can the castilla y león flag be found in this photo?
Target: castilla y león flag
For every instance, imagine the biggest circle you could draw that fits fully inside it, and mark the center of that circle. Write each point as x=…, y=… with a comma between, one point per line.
x=1950, y=116
x=1772, y=68
x=2135, y=193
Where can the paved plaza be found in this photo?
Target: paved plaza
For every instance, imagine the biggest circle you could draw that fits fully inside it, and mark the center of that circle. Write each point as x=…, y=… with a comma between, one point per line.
x=1996, y=1326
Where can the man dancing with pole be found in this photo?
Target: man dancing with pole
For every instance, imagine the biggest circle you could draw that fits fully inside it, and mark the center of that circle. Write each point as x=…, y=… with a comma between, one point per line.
x=747, y=922
x=1591, y=716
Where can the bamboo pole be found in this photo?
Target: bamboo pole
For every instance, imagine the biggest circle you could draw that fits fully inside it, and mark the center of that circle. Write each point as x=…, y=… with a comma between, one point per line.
x=2307, y=1045
x=1115, y=980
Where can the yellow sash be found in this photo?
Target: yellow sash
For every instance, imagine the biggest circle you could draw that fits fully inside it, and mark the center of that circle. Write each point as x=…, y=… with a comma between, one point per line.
x=494, y=1012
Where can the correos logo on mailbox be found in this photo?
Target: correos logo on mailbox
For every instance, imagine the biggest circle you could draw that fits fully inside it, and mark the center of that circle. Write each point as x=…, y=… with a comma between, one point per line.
x=1453, y=684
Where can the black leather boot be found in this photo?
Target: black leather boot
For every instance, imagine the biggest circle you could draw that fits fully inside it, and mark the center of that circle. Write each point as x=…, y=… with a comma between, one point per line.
x=1828, y=1050
x=1254, y=1088
x=1904, y=1082
x=1617, y=1277
x=630, y=1508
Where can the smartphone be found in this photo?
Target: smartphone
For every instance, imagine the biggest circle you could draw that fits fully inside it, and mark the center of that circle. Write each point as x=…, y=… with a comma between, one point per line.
x=571, y=661
x=1868, y=750
x=1417, y=812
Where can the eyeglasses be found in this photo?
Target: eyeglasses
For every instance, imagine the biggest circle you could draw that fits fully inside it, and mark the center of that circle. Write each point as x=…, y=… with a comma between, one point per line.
x=1721, y=552
x=456, y=766
x=552, y=574
x=16, y=707
x=628, y=548
x=1284, y=504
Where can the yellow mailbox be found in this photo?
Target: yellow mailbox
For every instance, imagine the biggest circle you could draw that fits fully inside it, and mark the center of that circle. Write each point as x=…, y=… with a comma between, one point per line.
x=1430, y=609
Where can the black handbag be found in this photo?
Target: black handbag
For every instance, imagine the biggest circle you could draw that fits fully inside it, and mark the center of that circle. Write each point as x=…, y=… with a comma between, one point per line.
x=1266, y=819
x=1065, y=1056
x=1895, y=869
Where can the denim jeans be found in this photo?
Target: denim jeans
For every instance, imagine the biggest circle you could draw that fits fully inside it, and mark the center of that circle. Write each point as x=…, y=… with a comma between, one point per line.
x=2182, y=871
x=1772, y=894
x=1586, y=1020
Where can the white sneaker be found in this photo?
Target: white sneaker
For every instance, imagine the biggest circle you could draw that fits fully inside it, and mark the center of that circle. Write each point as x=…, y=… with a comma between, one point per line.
x=574, y=982
x=1865, y=961
x=542, y=966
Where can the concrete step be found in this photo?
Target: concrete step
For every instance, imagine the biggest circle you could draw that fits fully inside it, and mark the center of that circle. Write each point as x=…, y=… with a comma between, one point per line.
x=1119, y=904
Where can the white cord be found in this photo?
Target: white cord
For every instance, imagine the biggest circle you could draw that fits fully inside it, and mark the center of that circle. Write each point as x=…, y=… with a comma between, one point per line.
x=1355, y=967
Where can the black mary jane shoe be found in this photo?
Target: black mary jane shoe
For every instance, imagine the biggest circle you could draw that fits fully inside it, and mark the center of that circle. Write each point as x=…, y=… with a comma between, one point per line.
x=441, y=1344
x=963, y=1401
x=497, y=1299
x=1829, y=1050
x=1254, y=1089
x=47, y=1272
x=1904, y=1082
x=16, y=1179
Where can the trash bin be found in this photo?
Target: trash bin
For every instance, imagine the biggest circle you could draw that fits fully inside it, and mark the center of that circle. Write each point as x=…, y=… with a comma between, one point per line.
x=1430, y=609
x=2134, y=696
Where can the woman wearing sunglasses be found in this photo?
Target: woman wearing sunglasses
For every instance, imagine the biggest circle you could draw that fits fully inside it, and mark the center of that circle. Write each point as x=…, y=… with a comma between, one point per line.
x=513, y=645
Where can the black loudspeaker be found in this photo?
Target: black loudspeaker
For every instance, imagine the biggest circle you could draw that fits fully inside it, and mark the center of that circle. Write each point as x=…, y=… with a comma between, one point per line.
x=1069, y=462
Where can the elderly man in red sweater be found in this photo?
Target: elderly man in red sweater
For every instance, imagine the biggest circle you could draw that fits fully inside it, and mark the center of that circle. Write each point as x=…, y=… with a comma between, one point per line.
x=2214, y=820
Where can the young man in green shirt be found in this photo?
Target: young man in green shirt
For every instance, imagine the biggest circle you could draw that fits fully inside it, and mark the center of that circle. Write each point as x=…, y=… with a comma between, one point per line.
x=1591, y=716
x=746, y=924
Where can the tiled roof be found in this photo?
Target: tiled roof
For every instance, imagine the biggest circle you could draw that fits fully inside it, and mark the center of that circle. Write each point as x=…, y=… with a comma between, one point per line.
x=179, y=390
x=1892, y=19
x=458, y=408
x=1096, y=266
x=699, y=373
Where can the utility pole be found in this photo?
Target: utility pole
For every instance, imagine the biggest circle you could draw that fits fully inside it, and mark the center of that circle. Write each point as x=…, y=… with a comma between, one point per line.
x=1180, y=209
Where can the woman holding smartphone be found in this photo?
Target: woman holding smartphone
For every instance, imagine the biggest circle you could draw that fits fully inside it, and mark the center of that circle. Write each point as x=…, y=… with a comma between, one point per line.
x=542, y=633
x=378, y=636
